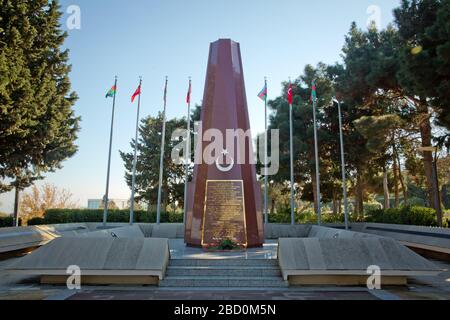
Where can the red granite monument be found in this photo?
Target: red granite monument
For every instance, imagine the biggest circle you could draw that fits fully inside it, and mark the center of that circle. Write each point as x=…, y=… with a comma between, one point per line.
x=224, y=197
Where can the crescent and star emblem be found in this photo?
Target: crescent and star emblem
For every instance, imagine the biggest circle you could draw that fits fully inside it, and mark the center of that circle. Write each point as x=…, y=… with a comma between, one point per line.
x=222, y=168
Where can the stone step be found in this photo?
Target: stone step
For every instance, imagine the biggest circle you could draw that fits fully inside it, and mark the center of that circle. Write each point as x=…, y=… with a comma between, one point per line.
x=220, y=281
x=236, y=271
x=224, y=262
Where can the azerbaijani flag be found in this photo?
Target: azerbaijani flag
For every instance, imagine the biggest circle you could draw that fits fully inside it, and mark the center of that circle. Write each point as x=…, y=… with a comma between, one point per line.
x=263, y=94
x=111, y=92
x=313, y=91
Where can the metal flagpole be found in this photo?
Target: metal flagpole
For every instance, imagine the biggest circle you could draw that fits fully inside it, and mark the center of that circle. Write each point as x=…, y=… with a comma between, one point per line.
x=266, y=178
x=344, y=180
x=106, y=197
x=292, y=162
x=317, y=163
x=188, y=150
x=133, y=179
x=161, y=162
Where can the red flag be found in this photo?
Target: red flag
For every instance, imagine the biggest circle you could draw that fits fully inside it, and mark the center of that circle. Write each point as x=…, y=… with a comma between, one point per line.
x=290, y=96
x=188, y=97
x=136, y=93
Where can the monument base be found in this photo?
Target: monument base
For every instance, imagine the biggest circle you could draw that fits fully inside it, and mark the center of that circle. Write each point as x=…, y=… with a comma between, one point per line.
x=245, y=248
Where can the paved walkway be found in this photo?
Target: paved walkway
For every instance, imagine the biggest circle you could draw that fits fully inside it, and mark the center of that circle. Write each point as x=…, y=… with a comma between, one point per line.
x=224, y=295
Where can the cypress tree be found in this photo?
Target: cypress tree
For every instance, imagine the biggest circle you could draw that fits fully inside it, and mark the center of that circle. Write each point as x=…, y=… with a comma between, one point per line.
x=38, y=126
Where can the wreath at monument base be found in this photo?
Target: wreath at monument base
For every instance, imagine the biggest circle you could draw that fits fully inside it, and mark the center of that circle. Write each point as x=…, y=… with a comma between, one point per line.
x=225, y=246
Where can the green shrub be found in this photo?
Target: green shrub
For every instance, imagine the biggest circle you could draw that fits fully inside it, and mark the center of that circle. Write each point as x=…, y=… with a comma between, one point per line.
x=416, y=201
x=371, y=206
x=59, y=216
x=414, y=215
x=330, y=218
x=283, y=215
x=407, y=215
x=6, y=222
x=446, y=218
x=307, y=216
x=420, y=216
x=310, y=217
x=36, y=221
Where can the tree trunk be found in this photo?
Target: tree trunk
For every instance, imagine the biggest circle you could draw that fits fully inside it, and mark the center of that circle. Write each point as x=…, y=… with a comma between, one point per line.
x=16, y=207
x=400, y=174
x=166, y=198
x=272, y=206
x=437, y=199
x=425, y=133
x=335, y=209
x=314, y=187
x=444, y=195
x=396, y=190
x=359, y=194
x=387, y=200
x=340, y=206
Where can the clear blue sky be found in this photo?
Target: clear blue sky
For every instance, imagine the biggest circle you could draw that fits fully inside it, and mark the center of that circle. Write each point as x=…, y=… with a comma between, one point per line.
x=155, y=38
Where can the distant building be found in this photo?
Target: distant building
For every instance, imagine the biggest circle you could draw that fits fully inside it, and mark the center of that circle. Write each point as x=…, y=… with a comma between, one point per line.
x=95, y=204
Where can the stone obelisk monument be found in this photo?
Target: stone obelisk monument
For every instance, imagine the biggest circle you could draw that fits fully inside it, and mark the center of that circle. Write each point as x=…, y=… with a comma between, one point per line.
x=224, y=197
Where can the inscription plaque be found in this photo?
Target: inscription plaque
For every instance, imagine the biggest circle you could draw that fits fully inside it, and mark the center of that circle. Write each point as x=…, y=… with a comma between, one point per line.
x=224, y=214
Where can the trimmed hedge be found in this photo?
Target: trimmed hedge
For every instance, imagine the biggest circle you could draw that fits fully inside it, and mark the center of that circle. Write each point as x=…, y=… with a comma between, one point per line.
x=414, y=215
x=310, y=217
x=408, y=215
x=60, y=216
x=6, y=222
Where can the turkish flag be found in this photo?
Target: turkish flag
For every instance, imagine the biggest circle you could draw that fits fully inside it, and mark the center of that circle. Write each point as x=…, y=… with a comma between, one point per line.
x=188, y=97
x=136, y=93
x=290, y=95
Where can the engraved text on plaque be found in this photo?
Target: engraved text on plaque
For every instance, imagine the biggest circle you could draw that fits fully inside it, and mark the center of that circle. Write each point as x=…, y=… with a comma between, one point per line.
x=224, y=216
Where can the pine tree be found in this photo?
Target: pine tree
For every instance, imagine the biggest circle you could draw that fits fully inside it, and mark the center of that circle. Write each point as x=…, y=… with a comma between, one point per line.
x=422, y=73
x=425, y=24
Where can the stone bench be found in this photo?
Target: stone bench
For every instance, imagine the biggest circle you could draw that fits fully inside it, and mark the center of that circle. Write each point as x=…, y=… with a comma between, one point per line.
x=336, y=257
x=429, y=241
x=24, y=238
x=103, y=260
